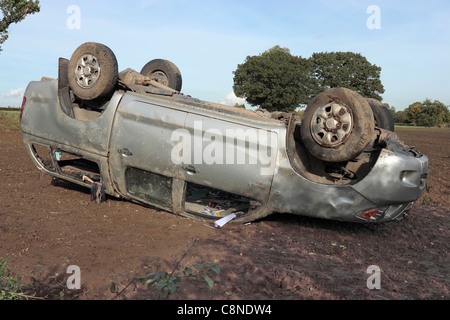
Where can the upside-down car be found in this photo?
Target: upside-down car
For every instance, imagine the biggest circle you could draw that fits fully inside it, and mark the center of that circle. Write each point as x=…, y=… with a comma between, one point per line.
x=138, y=137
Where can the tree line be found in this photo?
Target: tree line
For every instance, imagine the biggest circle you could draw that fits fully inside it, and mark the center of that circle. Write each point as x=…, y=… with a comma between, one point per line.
x=276, y=80
x=427, y=113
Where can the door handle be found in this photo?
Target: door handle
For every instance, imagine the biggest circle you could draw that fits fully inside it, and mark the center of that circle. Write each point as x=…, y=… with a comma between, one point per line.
x=125, y=152
x=190, y=170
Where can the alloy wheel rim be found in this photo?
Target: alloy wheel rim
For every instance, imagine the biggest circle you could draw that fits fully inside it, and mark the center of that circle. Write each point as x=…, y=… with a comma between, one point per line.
x=331, y=125
x=87, y=71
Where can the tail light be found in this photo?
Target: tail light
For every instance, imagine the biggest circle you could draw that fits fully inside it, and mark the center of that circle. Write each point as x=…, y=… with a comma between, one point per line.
x=369, y=214
x=393, y=212
x=21, y=108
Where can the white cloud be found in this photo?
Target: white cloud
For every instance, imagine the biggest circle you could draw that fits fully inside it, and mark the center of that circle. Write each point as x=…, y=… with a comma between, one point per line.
x=12, y=98
x=231, y=99
x=14, y=93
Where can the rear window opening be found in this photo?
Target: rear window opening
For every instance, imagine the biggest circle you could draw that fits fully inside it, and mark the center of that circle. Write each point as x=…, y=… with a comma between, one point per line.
x=43, y=155
x=77, y=167
x=213, y=204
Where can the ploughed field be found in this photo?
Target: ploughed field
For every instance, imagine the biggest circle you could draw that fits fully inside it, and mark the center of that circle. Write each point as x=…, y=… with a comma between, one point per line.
x=46, y=227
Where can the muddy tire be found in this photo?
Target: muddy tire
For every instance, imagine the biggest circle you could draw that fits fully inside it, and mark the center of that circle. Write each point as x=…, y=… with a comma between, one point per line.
x=92, y=71
x=383, y=117
x=337, y=125
x=165, y=72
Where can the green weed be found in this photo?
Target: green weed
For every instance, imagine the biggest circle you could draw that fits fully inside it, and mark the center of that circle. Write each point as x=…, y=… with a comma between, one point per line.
x=167, y=283
x=11, y=287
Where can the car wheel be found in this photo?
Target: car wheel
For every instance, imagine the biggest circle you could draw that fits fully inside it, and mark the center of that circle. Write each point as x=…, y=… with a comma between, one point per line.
x=164, y=72
x=92, y=71
x=337, y=125
x=383, y=117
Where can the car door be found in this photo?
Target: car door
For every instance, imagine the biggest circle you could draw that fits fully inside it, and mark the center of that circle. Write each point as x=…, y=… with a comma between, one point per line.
x=230, y=156
x=140, y=151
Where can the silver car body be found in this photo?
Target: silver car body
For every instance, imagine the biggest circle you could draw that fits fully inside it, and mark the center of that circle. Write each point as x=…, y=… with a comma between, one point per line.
x=130, y=148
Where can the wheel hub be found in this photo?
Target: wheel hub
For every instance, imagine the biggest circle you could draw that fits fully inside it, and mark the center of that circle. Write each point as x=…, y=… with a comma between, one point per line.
x=87, y=71
x=160, y=77
x=331, y=125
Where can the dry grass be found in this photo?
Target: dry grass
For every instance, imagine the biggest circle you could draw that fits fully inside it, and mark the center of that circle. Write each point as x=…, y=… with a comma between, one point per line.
x=9, y=121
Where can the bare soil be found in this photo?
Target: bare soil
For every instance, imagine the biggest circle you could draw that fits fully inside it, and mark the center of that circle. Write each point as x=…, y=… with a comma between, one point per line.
x=46, y=227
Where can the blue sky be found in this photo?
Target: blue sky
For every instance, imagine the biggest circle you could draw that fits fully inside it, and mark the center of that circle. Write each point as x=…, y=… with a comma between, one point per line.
x=207, y=39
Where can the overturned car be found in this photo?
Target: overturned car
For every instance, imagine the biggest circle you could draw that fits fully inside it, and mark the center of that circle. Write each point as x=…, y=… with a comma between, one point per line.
x=136, y=136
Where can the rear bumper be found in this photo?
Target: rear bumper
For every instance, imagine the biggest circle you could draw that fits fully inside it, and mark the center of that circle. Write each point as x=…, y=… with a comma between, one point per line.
x=395, y=179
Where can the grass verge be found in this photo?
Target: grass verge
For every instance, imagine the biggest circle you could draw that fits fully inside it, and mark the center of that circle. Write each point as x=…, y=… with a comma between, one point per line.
x=9, y=121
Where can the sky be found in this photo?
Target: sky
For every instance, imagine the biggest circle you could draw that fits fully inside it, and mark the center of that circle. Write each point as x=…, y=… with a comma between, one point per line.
x=207, y=39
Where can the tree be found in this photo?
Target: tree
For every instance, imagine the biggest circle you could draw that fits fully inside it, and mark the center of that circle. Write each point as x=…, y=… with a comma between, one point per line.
x=413, y=111
x=15, y=11
x=437, y=111
x=277, y=80
x=401, y=117
x=347, y=70
x=425, y=120
x=428, y=113
x=273, y=80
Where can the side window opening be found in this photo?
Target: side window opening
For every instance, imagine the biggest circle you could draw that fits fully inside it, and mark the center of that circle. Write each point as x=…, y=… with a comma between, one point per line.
x=76, y=166
x=43, y=155
x=149, y=187
x=211, y=203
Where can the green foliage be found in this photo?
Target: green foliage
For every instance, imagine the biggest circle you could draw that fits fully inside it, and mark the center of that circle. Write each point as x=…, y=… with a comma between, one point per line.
x=400, y=117
x=164, y=281
x=276, y=80
x=15, y=11
x=10, y=287
x=167, y=283
x=427, y=113
x=205, y=268
x=413, y=112
x=346, y=70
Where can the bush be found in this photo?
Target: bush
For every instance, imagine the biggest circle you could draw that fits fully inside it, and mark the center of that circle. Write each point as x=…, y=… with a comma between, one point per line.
x=427, y=113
